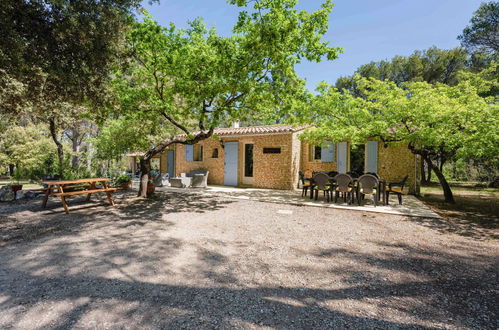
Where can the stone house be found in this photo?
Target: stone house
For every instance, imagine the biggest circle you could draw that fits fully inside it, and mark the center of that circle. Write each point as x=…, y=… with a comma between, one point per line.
x=271, y=157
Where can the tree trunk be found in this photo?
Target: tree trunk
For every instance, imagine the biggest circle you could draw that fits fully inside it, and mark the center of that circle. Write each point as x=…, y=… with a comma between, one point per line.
x=60, y=150
x=145, y=168
x=75, y=159
x=145, y=162
x=428, y=176
x=449, y=197
x=423, y=173
x=11, y=169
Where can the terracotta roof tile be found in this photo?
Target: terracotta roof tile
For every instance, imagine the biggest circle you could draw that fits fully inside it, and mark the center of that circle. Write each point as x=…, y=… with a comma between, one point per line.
x=251, y=130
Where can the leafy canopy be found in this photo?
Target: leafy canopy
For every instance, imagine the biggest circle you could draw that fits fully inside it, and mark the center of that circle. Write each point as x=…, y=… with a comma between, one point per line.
x=433, y=65
x=483, y=32
x=195, y=79
x=431, y=118
x=60, y=50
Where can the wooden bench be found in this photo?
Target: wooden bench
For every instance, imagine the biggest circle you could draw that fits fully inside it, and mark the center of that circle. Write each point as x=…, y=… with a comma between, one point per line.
x=82, y=192
x=56, y=188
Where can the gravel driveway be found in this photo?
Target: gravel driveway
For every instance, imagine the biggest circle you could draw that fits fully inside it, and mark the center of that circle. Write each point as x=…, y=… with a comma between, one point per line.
x=183, y=261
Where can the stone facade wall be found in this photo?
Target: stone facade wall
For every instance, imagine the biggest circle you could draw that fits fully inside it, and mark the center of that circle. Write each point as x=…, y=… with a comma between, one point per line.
x=163, y=163
x=308, y=166
x=280, y=171
x=269, y=170
x=395, y=162
x=214, y=165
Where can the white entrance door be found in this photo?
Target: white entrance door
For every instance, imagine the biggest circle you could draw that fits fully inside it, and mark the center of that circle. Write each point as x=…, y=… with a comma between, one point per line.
x=230, y=163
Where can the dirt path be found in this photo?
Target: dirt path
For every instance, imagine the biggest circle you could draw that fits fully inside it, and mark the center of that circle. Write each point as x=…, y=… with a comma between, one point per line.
x=185, y=261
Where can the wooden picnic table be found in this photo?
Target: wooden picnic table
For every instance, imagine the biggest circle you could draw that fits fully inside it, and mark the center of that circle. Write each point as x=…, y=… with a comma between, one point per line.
x=76, y=187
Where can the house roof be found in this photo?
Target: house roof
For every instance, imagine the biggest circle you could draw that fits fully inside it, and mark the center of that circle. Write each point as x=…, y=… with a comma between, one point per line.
x=248, y=130
x=257, y=130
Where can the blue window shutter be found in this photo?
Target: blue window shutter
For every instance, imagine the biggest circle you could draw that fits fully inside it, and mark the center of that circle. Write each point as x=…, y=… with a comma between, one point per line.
x=189, y=152
x=372, y=156
x=327, y=152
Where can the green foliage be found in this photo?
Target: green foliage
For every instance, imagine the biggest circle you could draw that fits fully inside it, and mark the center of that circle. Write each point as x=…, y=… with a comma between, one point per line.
x=61, y=50
x=183, y=80
x=454, y=119
x=432, y=65
x=27, y=147
x=483, y=33
x=121, y=179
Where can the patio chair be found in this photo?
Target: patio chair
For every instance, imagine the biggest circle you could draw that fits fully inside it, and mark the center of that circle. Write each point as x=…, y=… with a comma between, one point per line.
x=396, y=188
x=321, y=182
x=199, y=178
x=343, y=185
x=367, y=185
x=304, y=186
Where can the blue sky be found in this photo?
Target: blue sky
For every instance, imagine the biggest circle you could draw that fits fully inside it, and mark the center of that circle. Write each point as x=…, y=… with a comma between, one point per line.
x=368, y=30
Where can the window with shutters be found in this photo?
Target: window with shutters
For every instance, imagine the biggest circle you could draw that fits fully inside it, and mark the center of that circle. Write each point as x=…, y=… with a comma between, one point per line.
x=324, y=153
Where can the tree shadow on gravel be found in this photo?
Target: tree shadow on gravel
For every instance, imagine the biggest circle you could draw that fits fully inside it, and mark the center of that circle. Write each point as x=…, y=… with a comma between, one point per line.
x=147, y=304
x=26, y=220
x=442, y=288
x=473, y=215
x=457, y=288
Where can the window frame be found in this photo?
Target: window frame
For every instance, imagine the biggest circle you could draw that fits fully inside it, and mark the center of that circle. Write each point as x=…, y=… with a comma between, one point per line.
x=197, y=150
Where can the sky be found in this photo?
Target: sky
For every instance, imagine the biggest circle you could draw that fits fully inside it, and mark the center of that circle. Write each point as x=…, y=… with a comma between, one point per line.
x=368, y=30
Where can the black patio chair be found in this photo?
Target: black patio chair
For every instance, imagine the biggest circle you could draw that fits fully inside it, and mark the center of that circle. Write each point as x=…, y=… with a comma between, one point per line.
x=396, y=188
x=343, y=185
x=368, y=185
x=321, y=182
x=304, y=186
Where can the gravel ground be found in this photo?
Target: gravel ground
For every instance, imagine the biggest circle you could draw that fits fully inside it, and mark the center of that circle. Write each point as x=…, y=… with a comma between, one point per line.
x=183, y=261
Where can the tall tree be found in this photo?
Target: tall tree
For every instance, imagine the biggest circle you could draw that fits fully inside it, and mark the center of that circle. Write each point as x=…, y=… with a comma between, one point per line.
x=56, y=57
x=430, y=119
x=195, y=80
x=433, y=65
x=483, y=32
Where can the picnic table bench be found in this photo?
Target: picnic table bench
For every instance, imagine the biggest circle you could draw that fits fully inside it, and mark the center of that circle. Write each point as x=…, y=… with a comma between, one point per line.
x=64, y=188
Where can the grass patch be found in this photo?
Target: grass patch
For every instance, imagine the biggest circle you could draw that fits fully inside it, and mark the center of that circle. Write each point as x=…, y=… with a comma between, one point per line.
x=26, y=184
x=476, y=212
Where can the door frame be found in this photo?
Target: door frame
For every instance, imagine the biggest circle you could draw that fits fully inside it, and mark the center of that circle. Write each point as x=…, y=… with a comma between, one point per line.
x=247, y=180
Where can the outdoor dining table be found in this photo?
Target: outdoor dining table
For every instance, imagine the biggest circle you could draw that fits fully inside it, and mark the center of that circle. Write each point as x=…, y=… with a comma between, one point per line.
x=381, y=187
x=64, y=188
